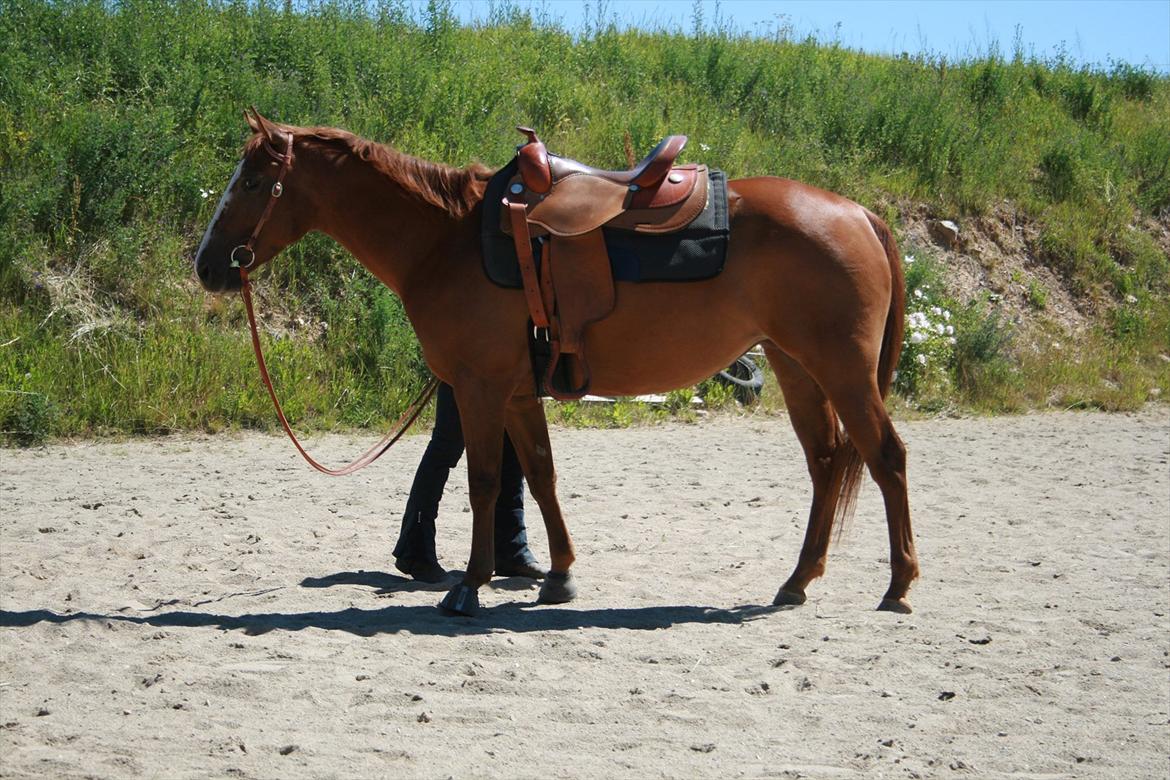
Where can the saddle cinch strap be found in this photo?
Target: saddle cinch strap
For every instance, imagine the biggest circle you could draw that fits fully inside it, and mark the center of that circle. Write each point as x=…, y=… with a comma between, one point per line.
x=567, y=204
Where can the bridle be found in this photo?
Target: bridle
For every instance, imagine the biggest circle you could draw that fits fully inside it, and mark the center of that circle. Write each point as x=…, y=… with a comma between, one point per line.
x=408, y=417
x=285, y=161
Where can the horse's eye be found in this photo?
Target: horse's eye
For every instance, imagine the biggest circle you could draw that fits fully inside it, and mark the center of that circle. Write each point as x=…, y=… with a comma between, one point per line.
x=251, y=183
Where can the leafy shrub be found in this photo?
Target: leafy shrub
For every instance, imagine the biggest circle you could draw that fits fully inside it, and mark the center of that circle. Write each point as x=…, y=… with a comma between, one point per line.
x=1128, y=324
x=989, y=85
x=27, y=420
x=1037, y=295
x=1135, y=83
x=717, y=395
x=923, y=367
x=1058, y=169
x=981, y=346
x=1081, y=99
x=1149, y=157
x=679, y=400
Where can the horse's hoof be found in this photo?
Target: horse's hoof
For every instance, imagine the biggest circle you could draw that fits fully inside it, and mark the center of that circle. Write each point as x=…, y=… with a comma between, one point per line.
x=559, y=587
x=787, y=598
x=901, y=606
x=461, y=600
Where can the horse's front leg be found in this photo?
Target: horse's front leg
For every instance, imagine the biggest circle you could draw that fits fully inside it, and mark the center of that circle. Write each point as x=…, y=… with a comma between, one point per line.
x=481, y=411
x=528, y=431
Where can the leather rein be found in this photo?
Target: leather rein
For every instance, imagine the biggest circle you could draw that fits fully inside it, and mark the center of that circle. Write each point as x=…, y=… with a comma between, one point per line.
x=408, y=417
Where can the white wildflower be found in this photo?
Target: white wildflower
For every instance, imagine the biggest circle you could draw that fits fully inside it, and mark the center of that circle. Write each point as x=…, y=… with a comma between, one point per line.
x=921, y=359
x=936, y=311
x=917, y=337
x=951, y=341
x=950, y=330
x=704, y=147
x=940, y=329
x=946, y=315
x=909, y=259
x=918, y=293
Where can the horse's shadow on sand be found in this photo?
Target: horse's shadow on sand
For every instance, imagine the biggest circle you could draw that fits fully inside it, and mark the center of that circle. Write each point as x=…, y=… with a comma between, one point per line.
x=512, y=616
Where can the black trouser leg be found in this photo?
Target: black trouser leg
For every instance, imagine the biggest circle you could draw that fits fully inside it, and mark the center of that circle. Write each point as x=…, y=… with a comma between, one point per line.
x=511, y=534
x=416, y=540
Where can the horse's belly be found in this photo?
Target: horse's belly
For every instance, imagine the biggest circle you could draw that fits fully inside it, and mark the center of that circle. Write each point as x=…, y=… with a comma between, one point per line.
x=665, y=336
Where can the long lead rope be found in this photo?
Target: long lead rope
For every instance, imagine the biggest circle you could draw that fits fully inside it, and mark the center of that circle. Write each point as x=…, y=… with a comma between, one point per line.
x=369, y=456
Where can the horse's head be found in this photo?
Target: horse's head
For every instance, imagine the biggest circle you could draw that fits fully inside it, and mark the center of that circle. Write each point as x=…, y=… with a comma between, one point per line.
x=260, y=213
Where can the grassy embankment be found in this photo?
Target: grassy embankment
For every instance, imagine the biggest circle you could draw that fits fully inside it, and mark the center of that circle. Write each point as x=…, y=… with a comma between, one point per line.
x=115, y=120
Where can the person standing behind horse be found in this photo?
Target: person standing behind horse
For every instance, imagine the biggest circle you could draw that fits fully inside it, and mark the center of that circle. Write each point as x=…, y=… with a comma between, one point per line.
x=415, y=553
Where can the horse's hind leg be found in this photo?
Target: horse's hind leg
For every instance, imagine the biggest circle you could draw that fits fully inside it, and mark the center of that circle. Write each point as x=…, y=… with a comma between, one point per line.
x=871, y=431
x=528, y=431
x=816, y=428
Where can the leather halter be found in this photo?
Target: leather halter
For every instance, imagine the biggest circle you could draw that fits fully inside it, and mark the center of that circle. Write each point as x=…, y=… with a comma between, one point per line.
x=408, y=417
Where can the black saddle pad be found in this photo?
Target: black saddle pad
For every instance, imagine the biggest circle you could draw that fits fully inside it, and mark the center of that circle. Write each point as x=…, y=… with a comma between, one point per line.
x=697, y=252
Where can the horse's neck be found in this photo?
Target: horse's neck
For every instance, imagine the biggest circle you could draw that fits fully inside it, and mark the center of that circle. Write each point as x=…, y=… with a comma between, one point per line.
x=389, y=232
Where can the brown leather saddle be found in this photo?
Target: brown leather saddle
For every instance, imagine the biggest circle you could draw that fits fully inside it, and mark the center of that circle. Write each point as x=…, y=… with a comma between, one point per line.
x=565, y=204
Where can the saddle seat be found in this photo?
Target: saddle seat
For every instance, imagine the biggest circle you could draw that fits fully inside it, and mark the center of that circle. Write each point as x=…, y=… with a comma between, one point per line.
x=565, y=205
x=540, y=172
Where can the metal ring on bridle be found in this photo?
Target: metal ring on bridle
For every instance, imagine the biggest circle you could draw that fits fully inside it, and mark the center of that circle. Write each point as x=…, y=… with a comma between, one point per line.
x=235, y=260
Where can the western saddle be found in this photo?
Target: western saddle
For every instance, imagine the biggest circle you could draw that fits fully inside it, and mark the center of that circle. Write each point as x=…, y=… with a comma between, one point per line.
x=565, y=205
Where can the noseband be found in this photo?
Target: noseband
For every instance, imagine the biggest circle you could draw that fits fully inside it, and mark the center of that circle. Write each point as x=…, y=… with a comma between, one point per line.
x=412, y=412
x=285, y=161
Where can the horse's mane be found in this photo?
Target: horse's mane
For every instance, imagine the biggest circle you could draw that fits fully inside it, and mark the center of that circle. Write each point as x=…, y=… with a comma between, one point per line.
x=455, y=190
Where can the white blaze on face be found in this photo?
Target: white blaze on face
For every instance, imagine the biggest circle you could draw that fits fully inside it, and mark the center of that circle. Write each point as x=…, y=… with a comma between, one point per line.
x=228, y=192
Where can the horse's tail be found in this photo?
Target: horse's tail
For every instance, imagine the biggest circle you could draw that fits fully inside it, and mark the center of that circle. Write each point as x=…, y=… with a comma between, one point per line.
x=847, y=463
x=896, y=316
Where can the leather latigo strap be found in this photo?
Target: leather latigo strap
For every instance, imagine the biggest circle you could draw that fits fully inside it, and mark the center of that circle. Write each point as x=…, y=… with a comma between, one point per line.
x=547, y=293
x=523, y=241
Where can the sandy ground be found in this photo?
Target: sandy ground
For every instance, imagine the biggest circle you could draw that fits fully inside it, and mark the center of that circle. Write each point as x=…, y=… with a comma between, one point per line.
x=211, y=607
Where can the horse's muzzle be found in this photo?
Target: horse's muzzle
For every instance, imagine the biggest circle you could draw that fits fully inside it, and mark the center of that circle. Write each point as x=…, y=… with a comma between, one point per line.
x=217, y=279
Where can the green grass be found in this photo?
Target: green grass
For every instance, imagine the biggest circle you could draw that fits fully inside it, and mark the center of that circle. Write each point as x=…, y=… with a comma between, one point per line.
x=114, y=117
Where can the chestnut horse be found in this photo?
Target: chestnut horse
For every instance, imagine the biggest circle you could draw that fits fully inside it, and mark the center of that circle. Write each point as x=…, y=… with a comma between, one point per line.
x=814, y=277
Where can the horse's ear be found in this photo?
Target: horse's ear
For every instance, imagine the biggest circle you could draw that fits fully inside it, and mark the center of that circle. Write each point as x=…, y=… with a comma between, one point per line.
x=253, y=118
x=260, y=124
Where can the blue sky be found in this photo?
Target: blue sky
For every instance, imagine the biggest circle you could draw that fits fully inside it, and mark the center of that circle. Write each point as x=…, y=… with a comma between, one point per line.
x=1087, y=31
